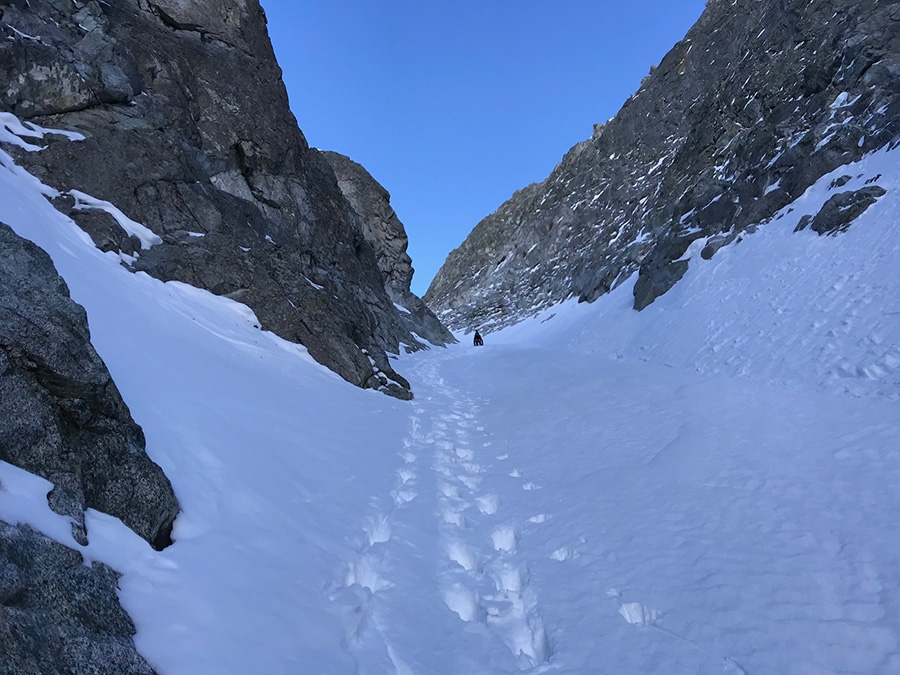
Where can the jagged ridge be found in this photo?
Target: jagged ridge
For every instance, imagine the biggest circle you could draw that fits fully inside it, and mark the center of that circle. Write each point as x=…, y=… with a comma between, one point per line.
x=758, y=101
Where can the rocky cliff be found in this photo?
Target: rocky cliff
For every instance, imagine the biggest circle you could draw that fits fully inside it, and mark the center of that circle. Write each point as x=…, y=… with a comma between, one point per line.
x=384, y=232
x=760, y=99
x=62, y=418
x=188, y=132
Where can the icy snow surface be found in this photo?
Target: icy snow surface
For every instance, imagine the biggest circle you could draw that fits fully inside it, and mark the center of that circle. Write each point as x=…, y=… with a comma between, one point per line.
x=709, y=486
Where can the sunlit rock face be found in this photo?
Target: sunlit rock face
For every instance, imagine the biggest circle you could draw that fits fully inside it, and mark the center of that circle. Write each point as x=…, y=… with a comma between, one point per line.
x=188, y=131
x=758, y=101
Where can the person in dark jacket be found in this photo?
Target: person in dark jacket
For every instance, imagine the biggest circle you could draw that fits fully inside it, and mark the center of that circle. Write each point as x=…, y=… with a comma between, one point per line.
x=478, y=341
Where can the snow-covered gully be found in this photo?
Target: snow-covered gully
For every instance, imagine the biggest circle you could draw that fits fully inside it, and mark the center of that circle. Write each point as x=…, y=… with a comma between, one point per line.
x=681, y=521
x=710, y=485
x=439, y=541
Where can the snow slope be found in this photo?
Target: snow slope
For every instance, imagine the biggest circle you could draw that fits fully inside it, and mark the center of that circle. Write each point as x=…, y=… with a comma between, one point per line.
x=711, y=485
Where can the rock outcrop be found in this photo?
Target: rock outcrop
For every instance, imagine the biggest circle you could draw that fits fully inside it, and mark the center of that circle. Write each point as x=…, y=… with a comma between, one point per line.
x=188, y=131
x=61, y=415
x=62, y=418
x=58, y=615
x=384, y=232
x=760, y=100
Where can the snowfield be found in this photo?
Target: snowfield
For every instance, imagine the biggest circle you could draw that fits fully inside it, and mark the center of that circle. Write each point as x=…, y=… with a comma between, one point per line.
x=711, y=485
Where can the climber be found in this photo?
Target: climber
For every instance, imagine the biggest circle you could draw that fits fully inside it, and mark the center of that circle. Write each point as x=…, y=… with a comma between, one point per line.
x=478, y=341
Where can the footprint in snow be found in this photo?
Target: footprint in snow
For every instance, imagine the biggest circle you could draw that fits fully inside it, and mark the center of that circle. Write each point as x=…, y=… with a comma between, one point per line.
x=564, y=553
x=378, y=529
x=470, y=482
x=488, y=504
x=462, y=555
x=639, y=615
x=452, y=517
x=403, y=496
x=445, y=471
x=465, y=454
x=509, y=579
x=449, y=491
x=505, y=538
x=463, y=601
x=355, y=605
x=364, y=573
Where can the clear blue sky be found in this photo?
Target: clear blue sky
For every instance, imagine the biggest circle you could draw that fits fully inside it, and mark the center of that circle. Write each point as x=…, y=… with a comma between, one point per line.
x=453, y=106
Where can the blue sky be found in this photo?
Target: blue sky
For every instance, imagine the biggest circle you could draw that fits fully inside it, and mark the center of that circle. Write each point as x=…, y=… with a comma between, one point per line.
x=453, y=106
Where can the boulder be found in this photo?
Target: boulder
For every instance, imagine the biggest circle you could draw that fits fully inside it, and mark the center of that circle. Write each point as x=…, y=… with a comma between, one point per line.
x=839, y=212
x=61, y=415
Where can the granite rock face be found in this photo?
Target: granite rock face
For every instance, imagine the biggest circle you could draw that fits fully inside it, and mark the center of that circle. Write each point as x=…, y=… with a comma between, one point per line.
x=61, y=415
x=760, y=99
x=58, y=615
x=62, y=418
x=188, y=131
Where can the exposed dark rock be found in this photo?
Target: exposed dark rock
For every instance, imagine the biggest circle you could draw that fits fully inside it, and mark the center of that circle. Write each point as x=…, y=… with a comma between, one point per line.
x=839, y=212
x=58, y=615
x=377, y=219
x=654, y=281
x=840, y=182
x=660, y=270
x=61, y=415
x=713, y=244
x=383, y=231
x=759, y=101
x=189, y=132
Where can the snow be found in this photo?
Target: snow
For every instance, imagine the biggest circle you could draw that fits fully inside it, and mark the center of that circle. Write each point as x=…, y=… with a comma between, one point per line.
x=84, y=202
x=13, y=129
x=843, y=100
x=23, y=35
x=23, y=499
x=711, y=485
x=318, y=287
